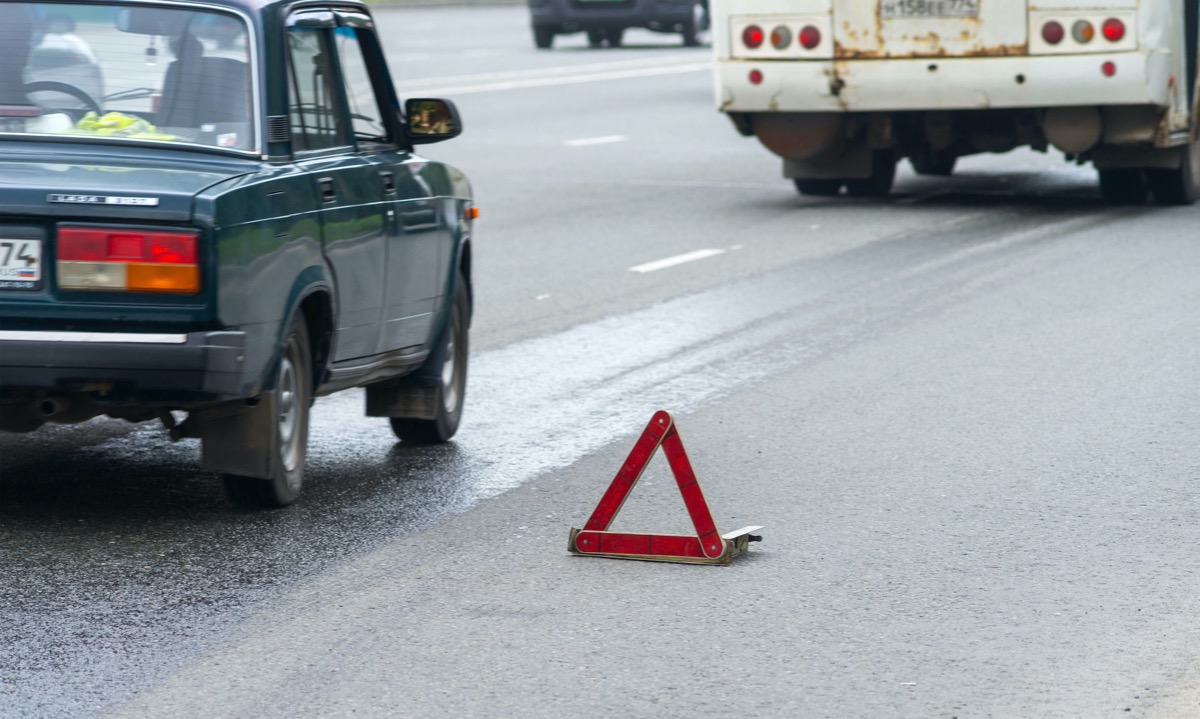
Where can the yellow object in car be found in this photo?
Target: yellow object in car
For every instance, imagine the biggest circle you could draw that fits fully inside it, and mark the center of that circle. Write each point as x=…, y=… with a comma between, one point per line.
x=120, y=124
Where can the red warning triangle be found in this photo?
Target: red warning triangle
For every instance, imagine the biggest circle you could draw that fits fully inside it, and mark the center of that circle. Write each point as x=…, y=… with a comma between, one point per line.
x=707, y=546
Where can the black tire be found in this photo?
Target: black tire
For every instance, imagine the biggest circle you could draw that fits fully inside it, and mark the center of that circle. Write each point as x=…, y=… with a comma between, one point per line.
x=614, y=35
x=1124, y=186
x=1180, y=186
x=933, y=163
x=595, y=37
x=818, y=188
x=293, y=391
x=879, y=184
x=543, y=37
x=450, y=360
x=694, y=26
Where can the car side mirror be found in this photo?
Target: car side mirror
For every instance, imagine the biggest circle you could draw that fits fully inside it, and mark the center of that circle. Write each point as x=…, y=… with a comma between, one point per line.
x=431, y=120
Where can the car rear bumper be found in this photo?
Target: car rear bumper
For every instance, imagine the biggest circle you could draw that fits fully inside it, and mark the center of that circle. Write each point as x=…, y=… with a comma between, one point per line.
x=141, y=367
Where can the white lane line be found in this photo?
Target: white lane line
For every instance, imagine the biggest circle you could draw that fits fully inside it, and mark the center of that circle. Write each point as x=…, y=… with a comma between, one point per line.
x=412, y=84
x=676, y=260
x=565, y=79
x=583, y=142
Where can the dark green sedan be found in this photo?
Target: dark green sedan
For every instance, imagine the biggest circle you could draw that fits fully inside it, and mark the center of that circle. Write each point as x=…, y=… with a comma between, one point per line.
x=211, y=213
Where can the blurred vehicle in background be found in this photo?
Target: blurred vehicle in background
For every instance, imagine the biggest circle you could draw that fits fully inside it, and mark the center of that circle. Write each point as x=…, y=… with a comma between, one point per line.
x=605, y=21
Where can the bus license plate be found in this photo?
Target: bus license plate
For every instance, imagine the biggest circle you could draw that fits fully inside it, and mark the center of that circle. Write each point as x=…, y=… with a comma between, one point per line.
x=20, y=264
x=889, y=9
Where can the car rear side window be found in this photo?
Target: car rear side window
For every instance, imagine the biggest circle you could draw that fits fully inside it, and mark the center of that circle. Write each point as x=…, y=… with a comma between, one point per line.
x=312, y=92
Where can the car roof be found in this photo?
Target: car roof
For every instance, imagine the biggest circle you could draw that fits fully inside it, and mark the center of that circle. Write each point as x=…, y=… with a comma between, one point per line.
x=258, y=7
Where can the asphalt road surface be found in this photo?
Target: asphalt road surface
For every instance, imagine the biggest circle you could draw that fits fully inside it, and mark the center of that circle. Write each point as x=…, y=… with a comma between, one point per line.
x=966, y=417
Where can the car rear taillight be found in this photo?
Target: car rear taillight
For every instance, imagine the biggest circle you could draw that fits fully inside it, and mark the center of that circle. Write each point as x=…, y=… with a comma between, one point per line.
x=752, y=36
x=781, y=37
x=1113, y=29
x=810, y=37
x=94, y=258
x=1053, y=33
x=1083, y=31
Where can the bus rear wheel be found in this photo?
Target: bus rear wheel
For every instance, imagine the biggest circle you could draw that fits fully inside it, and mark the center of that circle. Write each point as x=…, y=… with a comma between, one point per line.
x=1177, y=186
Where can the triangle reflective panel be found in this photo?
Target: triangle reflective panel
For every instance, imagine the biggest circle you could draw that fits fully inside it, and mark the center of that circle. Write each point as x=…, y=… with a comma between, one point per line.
x=706, y=546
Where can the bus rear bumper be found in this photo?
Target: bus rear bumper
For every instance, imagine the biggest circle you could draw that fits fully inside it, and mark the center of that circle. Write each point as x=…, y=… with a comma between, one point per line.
x=944, y=83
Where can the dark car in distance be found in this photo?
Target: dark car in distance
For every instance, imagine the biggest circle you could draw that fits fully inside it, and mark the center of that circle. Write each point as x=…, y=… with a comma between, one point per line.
x=605, y=21
x=211, y=214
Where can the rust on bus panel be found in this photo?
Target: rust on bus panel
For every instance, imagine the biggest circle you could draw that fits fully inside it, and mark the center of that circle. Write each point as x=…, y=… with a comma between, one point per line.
x=927, y=45
x=935, y=49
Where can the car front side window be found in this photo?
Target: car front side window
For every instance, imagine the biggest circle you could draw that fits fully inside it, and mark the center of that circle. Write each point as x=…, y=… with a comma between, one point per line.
x=366, y=114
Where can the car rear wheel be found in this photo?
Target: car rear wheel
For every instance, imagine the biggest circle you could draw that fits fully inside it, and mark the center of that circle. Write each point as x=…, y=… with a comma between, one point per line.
x=614, y=35
x=595, y=37
x=695, y=25
x=543, y=37
x=289, y=446
x=450, y=359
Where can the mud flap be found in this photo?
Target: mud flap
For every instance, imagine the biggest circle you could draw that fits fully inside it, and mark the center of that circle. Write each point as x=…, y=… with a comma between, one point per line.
x=408, y=397
x=241, y=440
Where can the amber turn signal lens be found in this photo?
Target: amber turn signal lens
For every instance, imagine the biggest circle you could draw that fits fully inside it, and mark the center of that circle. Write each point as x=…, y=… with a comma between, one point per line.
x=1083, y=31
x=781, y=37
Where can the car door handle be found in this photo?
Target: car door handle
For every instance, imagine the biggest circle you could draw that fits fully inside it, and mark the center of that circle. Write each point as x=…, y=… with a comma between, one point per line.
x=328, y=193
x=389, y=181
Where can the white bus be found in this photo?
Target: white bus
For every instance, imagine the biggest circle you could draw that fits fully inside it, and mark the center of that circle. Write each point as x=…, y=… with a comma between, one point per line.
x=844, y=89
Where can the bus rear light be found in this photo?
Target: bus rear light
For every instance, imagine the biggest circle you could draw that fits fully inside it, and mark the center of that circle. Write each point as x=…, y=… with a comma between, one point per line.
x=752, y=37
x=1083, y=31
x=93, y=258
x=781, y=37
x=1113, y=29
x=1053, y=33
x=810, y=37
x=756, y=77
x=1109, y=68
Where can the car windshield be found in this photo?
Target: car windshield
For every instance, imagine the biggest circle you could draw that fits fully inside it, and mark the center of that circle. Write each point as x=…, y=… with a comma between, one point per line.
x=144, y=73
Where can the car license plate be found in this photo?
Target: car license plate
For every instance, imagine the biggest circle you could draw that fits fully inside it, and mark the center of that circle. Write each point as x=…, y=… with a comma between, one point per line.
x=20, y=264
x=889, y=9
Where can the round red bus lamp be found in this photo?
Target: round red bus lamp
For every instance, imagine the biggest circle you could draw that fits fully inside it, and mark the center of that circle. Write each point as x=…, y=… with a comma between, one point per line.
x=752, y=36
x=1053, y=33
x=756, y=77
x=1113, y=29
x=1109, y=68
x=810, y=37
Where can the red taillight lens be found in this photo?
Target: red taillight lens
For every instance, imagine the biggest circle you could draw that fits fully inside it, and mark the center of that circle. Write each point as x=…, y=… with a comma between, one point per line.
x=756, y=77
x=99, y=245
x=92, y=258
x=810, y=37
x=1053, y=33
x=781, y=37
x=752, y=36
x=1113, y=29
x=1083, y=31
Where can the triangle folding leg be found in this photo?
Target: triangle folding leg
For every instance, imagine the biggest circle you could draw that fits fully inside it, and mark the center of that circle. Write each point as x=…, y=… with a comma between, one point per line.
x=707, y=546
